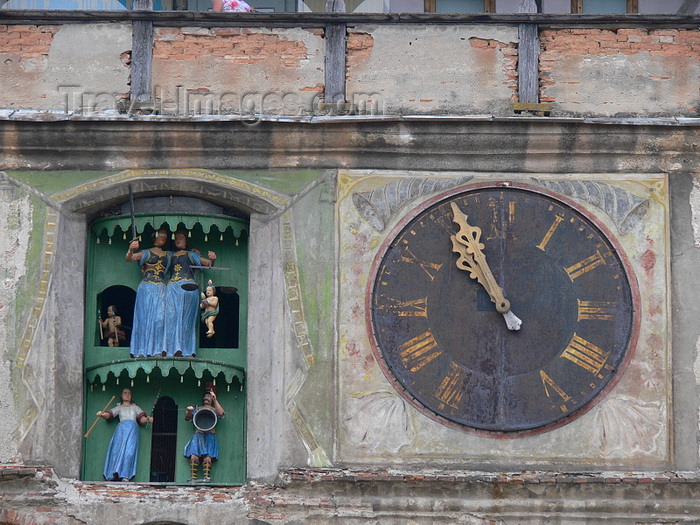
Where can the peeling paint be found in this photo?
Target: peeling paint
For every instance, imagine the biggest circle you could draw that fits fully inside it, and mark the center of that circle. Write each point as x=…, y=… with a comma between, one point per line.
x=16, y=222
x=695, y=210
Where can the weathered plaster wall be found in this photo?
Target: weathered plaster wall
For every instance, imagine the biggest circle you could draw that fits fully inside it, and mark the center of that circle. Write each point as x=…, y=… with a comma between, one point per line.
x=627, y=72
x=237, y=71
x=432, y=69
x=685, y=212
x=297, y=415
x=16, y=219
x=51, y=68
x=294, y=318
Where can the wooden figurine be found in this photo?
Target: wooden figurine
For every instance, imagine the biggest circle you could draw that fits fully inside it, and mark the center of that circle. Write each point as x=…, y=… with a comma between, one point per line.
x=181, y=298
x=111, y=327
x=210, y=305
x=120, y=464
x=202, y=448
x=148, y=335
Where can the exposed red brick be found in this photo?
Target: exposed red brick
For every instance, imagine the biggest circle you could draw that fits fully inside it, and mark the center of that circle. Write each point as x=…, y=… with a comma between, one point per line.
x=358, y=48
x=27, y=41
x=235, y=44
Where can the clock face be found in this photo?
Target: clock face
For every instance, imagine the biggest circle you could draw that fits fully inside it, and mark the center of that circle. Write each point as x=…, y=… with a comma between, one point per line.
x=445, y=347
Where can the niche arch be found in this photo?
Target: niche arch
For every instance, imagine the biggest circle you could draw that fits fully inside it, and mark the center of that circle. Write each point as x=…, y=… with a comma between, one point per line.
x=75, y=208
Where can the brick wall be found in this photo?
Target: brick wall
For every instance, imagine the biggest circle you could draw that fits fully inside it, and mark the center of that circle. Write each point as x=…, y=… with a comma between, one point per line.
x=235, y=45
x=450, y=69
x=26, y=41
x=70, y=67
x=621, y=72
x=239, y=70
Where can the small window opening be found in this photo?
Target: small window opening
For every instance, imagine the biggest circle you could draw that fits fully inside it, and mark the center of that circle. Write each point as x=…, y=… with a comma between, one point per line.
x=226, y=325
x=121, y=299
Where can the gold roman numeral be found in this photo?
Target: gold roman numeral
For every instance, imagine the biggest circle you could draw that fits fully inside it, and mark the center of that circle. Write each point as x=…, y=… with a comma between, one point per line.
x=586, y=355
x=444, y=220
x=511, y=212
x=452, y=386
x=410, y=308
x=419, y=351
x=429, y=268
x=596, y=310
x=547, y=383
x=543, y=243
x=585, y=266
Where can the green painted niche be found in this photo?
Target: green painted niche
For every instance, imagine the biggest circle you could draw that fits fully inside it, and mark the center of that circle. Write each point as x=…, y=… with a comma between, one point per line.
x=161, y=385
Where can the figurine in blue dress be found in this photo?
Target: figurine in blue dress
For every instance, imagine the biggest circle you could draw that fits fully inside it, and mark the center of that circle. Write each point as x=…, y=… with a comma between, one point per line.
x=120, y=464
x=148, y=335
x=182, y=298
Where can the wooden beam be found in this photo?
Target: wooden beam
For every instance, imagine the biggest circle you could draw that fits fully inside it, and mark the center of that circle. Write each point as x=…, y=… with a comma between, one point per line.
x=336, y=36
x=141, y=54
x=528, y=57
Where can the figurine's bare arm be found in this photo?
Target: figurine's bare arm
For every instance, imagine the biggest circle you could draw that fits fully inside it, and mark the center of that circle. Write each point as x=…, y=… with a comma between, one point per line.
x=130, y=255
x=210, y=261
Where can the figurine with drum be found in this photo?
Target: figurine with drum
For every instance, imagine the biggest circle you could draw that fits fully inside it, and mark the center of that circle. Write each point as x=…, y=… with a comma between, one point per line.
x=202, y=448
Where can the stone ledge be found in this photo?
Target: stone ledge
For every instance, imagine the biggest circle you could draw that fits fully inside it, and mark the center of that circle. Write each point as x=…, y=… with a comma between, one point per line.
x=363, y=497
x=529, y=477
x=11, y=471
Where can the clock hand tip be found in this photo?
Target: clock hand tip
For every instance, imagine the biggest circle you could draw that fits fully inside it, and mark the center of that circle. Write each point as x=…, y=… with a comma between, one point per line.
x=512, y=321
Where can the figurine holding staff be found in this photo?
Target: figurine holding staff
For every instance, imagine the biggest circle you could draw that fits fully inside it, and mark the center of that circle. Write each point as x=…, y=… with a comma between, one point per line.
x=120, y=463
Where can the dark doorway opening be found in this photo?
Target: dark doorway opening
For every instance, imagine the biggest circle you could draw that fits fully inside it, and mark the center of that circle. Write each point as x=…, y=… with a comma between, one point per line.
x=164, y=440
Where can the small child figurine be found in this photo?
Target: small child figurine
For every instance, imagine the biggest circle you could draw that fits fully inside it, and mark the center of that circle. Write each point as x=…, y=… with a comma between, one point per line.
x=112, y=325
x=210, y=305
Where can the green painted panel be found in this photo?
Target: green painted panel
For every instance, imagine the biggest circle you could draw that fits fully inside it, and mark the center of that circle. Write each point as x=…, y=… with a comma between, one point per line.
x=27, y=286
x=282, y=181
x=50, y=182
x=185, y=390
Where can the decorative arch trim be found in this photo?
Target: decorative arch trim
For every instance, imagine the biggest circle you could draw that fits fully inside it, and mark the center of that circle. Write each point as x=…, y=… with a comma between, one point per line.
x=203, y=184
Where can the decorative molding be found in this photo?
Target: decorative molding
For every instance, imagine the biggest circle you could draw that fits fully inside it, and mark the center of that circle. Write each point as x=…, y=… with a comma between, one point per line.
x=624, y=208
x=485, y=144
x=317, y=456
x=93, y=193
x=379, y=205
x=25, y=347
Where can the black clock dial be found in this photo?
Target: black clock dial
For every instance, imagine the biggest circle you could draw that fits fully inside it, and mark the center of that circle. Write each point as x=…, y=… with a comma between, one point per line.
x=446, y=348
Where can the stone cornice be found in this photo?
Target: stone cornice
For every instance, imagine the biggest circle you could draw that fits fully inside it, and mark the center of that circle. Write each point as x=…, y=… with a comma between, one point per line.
x=509, y=145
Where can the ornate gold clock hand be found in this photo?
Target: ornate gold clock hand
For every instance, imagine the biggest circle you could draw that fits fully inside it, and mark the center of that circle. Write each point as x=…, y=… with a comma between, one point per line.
x=472, y=259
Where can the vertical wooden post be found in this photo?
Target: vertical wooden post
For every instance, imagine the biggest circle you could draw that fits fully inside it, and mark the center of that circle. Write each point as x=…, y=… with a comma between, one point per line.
x=335, y=55
x=528, y=57
x=141, y=54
